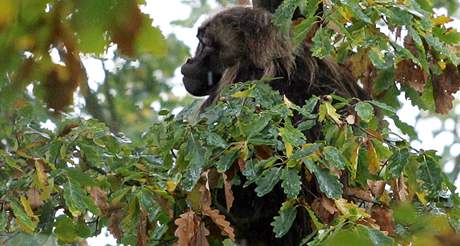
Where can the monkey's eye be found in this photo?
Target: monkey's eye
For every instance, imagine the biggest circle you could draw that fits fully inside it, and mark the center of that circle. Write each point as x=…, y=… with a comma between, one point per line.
x=207, y=43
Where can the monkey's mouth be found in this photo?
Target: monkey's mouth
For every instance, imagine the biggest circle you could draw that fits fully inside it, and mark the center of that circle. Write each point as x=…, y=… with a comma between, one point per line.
x=204, y=85
x=198, y=87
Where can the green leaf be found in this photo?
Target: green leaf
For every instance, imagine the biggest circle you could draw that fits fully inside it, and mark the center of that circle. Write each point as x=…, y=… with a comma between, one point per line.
x=214, y=139
x=334, y=157
x=301, y=30
x=69, y=231
x=365, y=111
x=357, y=11
x=77, y=201
x=291, y=182
x=150, y=40
x=305, y=152
x=322, y=43
x=256, y=126
x=430, y=173
x=328, y=184
x=283, y=14
x=22, y=219
x=283, y=222
x=384, y=106
x=309, y=106
x=378, y=59
x=405, y=128
x=3, y=220
x=396, y=163
x=377, y=237
x=291, y=135
x=196, y=157
x=267, y=181
x=79, y=177
x=226, y=160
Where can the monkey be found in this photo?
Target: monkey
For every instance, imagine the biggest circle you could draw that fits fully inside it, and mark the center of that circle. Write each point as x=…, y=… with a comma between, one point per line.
x=241, y=44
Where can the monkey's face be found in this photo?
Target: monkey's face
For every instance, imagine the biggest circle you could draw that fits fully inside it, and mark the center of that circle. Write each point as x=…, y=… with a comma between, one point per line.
x=235, y=38
x=203, y=71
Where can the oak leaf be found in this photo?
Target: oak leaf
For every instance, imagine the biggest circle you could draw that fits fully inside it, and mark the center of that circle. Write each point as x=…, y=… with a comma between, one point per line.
x=229, y=198
x=384, y=218
x=407, y=72
x=444, y=85
x=220, y=221
x=325, y=209
x=187, y=227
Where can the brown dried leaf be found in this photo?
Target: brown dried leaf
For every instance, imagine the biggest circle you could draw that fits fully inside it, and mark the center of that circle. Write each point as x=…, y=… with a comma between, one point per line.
x=205, y=198
x=212, y=178
x=201, y=234
x=407, y=72
x=263, y=152
x=361, y=68
x=384, y=218
x=359, y=193
x=229, y=198
x=444, y=86
x=33, y=196
x=115, y=223
x=400, y=189
x=187, y=227
x=100, y=198
x=126, y=28
x=59, y=87
x=241, y=164
x=325, y=209
x=220, y=221
x=142, y=232
x=377, y=187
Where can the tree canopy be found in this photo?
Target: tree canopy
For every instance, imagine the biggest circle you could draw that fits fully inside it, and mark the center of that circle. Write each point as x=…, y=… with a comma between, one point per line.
x=154, y=177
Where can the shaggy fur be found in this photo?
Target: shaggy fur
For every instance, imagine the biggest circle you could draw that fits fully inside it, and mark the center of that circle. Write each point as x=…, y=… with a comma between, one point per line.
x=241, y=44
x=251, y=47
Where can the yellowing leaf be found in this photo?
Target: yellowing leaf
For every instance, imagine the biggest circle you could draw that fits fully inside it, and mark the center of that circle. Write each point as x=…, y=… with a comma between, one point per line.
x=26, y=205
x=373, y=160
x=241, y=94
x=7, y=8
x=331, y=112
x=289, y=149
x=441, y=20
x=171, y=186
x=354, y=160
x=288, y=103
x=421, y=197
x=350, y=210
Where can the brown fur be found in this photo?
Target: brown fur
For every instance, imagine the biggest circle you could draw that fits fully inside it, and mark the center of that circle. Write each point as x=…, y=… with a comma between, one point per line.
x=241, y=44
x=248, y=39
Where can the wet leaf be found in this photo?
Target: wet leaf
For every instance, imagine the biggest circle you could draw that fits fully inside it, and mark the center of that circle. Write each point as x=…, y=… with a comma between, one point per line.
x=328, y=183
x=283, y=222
x=267, y=181
x=365, y=111
x=291, y=182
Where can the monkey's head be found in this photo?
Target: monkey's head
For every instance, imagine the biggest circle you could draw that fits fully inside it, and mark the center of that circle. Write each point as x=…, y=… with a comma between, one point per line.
x=234, y=39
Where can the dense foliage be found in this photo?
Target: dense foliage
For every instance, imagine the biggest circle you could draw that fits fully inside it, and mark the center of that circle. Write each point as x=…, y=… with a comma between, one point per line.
x=359, y=182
